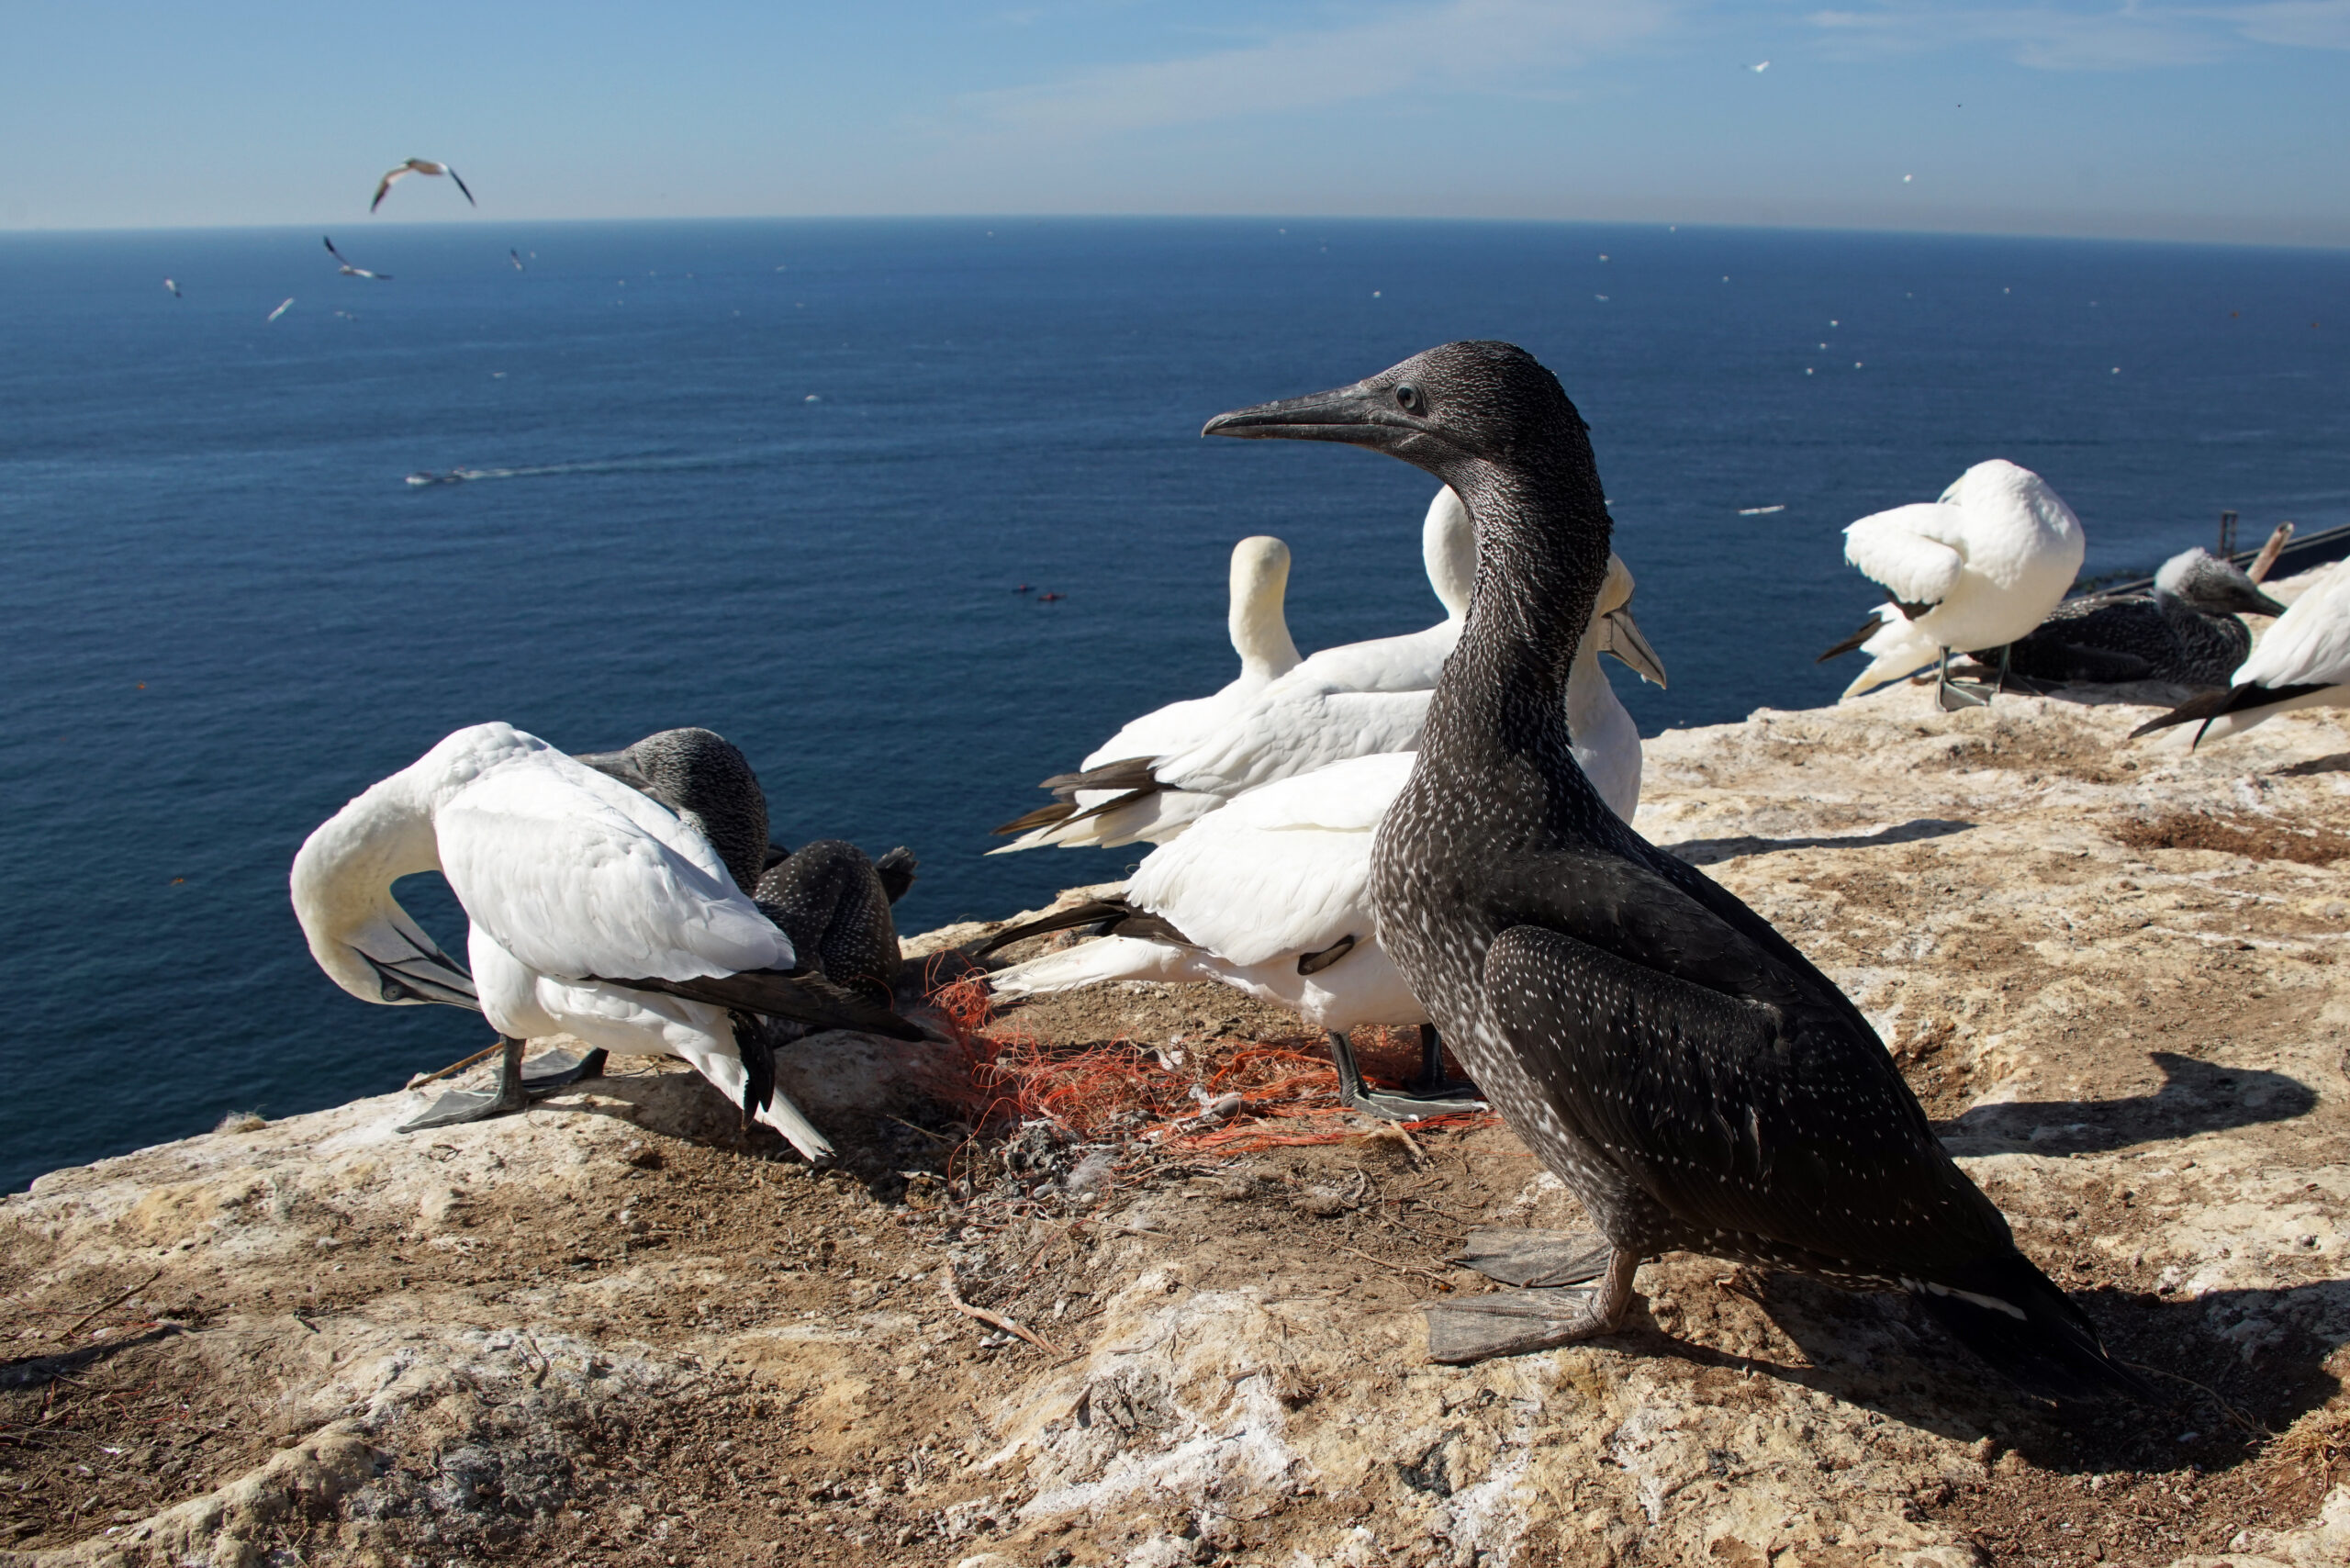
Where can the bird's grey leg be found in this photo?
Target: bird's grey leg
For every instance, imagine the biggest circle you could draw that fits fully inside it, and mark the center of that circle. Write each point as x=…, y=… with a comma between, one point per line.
x=1355, y=1095
x=566, y=1074
x=456, y=1108
x=1952, y=696
x=1432, y=1081
x=1510, y=1323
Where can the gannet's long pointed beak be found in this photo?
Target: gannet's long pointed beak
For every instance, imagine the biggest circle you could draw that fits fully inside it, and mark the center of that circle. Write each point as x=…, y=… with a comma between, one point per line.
x=616, y=765
x=1365, y=414
x=1620, y=635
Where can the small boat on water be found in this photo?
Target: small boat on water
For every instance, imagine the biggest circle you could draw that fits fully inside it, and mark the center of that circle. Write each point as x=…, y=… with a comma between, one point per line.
x=426, y=476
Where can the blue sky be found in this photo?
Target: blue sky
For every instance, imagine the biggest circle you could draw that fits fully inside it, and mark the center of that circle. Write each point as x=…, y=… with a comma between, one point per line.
x=2213, y=120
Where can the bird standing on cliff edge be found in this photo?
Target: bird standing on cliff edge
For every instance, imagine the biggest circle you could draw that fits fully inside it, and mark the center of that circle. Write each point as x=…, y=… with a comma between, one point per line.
x=2304, y=662
x=1271, y=895
x=1689, y=1075
x=593, y=910
x=1976, y=569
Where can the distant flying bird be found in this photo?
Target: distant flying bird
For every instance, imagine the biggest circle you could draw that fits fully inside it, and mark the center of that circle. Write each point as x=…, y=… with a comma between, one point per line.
x=419, y=166
x=516, y=257
x=1758, y=69
x=350, y=270
x=283, y=306
x=174, y=288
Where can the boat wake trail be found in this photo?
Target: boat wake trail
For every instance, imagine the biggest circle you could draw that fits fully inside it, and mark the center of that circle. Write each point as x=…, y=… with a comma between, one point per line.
x=466, y=476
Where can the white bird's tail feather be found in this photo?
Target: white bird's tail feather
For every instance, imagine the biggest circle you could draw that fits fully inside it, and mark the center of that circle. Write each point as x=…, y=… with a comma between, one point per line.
x=784, y=1116
x=726, y=1075
x=1896, y=650
x=1106, y=959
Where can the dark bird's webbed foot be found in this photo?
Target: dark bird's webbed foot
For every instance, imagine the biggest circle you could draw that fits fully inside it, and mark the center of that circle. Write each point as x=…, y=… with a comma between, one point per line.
x=1356, y=1095
x=559, y=1072
x=457, y=1107
x=1585, y=1286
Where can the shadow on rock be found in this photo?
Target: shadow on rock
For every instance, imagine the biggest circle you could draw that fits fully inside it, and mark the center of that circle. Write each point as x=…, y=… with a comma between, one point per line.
x=2338, y=762
x=2235, y=1368
x=2195, y=1097
x=1714, y=851
x=31, y=1372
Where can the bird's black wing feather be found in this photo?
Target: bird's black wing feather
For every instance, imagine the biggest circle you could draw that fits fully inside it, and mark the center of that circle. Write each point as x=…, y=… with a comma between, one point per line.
x=1114, y=915
x=1739, y=1116
x=1126, y=773
x=1043, y=816
x=802, y=998
x=2235, y=700
x=461, y=185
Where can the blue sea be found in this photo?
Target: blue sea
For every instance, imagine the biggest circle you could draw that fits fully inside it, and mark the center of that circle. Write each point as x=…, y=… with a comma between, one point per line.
x=783, y=478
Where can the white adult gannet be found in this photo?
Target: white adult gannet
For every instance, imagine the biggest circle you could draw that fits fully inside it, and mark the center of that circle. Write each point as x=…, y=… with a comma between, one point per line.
x=417, y=166
x=1270, y=896
x=593, y=910
x=1357, y=700
x=2303, y=662
x=1260, y=632
x=1978, y=568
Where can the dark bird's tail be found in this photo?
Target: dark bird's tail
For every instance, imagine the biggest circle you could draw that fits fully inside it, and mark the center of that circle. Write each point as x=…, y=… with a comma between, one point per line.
x=2013, y=1316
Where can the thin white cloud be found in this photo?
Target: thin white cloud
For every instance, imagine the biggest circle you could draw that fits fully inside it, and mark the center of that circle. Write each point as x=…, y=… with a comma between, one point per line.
x=1465, y=45
x=2111, y=36
x=2296, y=24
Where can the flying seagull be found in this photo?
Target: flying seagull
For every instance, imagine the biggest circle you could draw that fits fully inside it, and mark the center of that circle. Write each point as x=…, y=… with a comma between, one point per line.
x=350, y=270
x=1758, y=69
x=283, y=306
x=516, y=257
x=174, y=288
x=417, y=166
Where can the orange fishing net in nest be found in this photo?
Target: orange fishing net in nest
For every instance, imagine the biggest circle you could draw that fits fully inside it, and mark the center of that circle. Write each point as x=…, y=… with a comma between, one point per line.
x=1286, y=1096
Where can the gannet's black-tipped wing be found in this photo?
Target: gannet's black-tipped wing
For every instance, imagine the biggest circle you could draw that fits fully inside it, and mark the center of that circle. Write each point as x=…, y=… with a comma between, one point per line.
x=1043, y=816
x=383, y=188
x=2235, y=700
x=1130, y=776
x=1120, y=918
x=806, y=998
x=1126, y=773
x=461, y=184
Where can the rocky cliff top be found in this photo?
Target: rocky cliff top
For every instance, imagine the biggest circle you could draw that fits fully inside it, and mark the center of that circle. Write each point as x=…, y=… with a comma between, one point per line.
x=615, y=1330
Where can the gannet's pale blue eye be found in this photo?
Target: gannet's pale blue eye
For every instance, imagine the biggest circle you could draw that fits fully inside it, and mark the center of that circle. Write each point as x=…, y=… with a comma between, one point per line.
x=1408, y=398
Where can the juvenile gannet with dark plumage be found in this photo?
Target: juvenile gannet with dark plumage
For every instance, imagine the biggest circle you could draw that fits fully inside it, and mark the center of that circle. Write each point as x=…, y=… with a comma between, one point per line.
x=2303, y=662
x=1271, y=895
x=417, y=166
x=830, y=899
x=1977, y=568
x=593, y=910
x=1694, y=1081
x=2185, y=631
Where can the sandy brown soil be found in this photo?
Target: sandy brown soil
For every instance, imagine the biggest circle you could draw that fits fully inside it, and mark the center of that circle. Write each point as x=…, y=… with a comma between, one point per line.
x=613, y=1330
